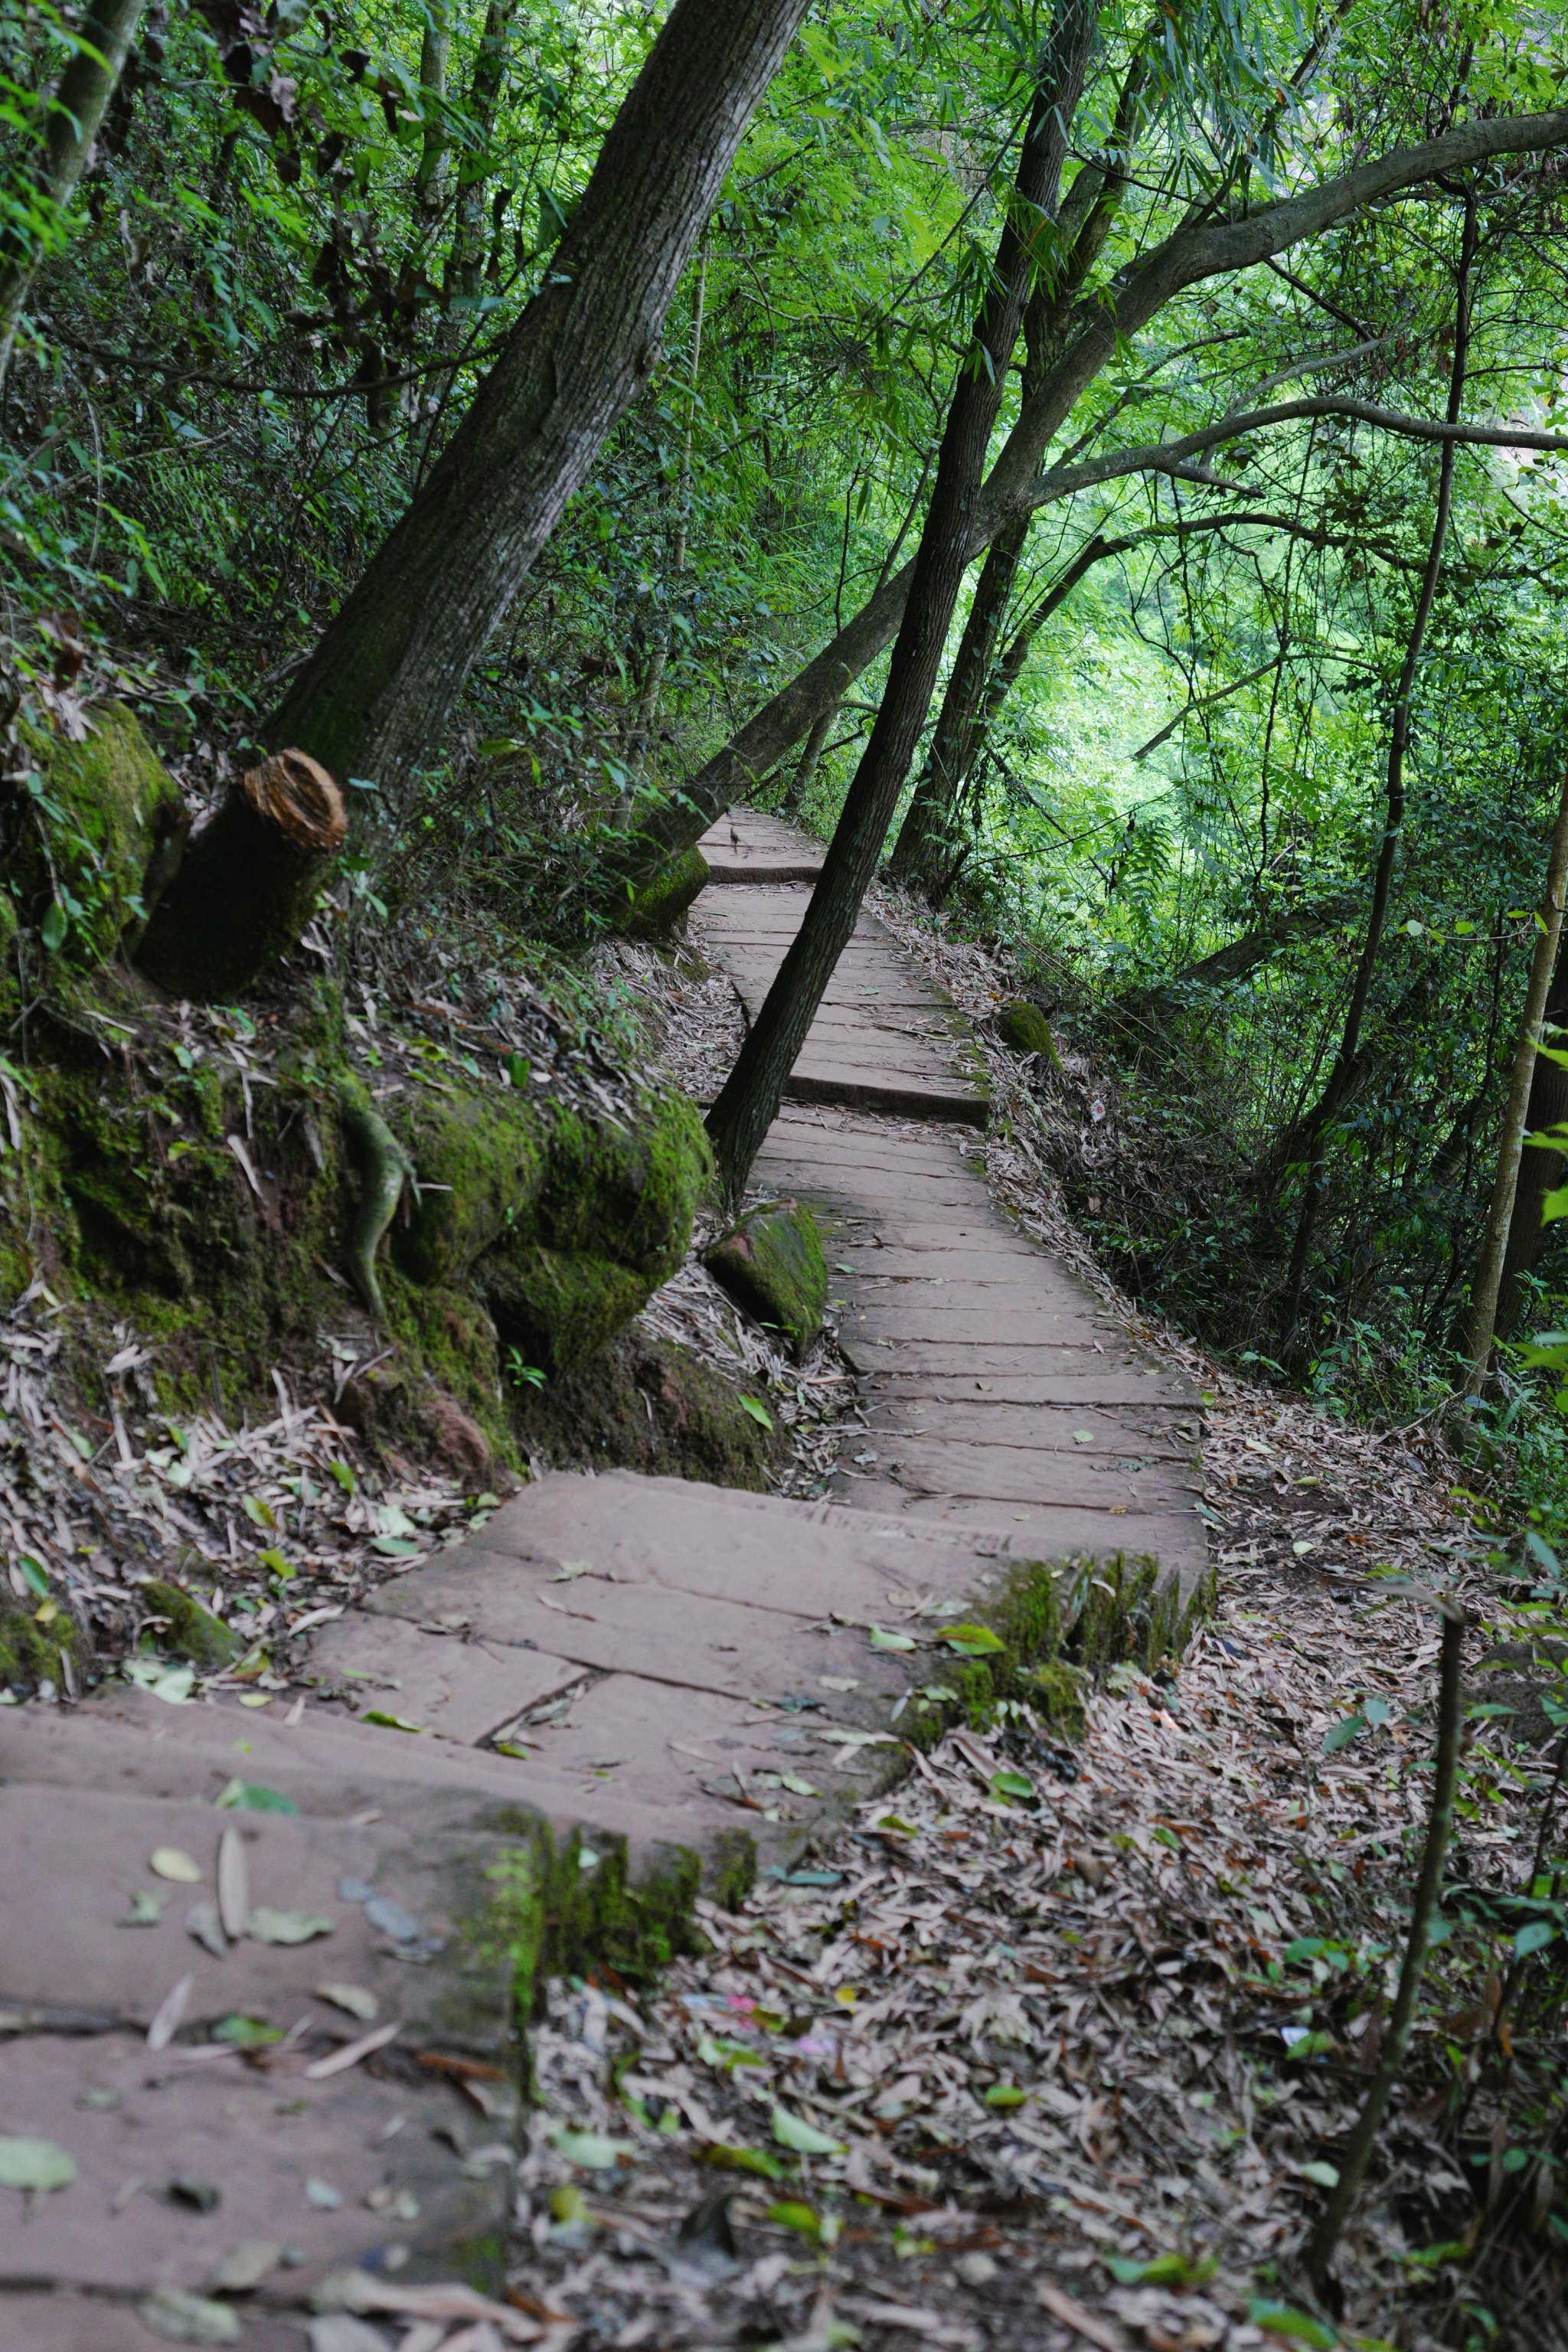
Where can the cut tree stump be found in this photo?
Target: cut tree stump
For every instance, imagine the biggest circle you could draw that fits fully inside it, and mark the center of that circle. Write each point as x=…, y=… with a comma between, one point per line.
x=248, y=882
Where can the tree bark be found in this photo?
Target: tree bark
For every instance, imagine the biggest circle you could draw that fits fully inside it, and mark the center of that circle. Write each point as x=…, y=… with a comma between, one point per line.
x=1542, y=1167
x=76, y=110
x=375, y=694
x=750, y=1099
x=1239, y=957
x=1186, y=258
x=1487, y=1282
x=801, y=782
x=1345, y=1061
x=435, y=51
x=248, y=882
x=465, y=262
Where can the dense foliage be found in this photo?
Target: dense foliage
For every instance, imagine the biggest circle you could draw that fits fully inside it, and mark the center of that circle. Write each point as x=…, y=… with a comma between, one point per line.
x=301, y=237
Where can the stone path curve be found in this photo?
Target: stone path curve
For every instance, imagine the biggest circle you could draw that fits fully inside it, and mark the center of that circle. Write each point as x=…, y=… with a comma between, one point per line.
x=619, y=1682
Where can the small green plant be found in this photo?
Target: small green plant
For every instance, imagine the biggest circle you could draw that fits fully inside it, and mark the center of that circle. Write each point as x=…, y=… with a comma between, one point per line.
x=522, y=1375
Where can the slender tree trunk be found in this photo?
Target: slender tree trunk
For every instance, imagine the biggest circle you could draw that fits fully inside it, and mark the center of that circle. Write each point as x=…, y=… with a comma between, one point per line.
x=465, y=263
x=800, y=783
x=1394, y=813
x=76, y=110
x=1540, y=1166
x=435, y=51
x=1487, y=1282
x=658, y=659
x=922, y=851
x=747, y=1106
x=374, y=696
x=1193, y=254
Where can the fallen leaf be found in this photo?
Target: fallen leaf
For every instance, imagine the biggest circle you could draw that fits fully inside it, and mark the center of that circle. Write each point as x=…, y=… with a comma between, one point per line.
x=184, y=2318
x=169, y=1862
x=350, y=2055
x=245, y=2266
x=1072, y=2315
x=794, y=2132
x=170, y=2009
x=352, y=1997
x=233, y=1883
x=267, y=1925
x=36, y=2164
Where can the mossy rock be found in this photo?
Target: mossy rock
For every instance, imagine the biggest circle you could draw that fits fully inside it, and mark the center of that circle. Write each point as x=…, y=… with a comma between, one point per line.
x=482, y=1160
x=31, y=1652
x=191, y=1632
x=773, y=1266
x=116, y=825
x=654, y=910
x=1021, y=1025
x=556, y=1308
x=648, y=1404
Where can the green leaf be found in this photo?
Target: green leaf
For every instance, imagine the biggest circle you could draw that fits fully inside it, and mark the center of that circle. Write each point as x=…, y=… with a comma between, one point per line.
x=794, y=2132
x=344, y=1476
x=53, y=929
x=267, y=1925
x=36, y=2164
x=791, y=2216
x=250, y=1797
x=1175, y=2270
x=1301, y=2326
x=1326, y=2176
x=743, y=2159
x=1005, y=2095
x=971, y=1641
x=246, y=2033
x=798, y=1785
x=1012, y=1785
x=276, y=1563
x=758, y=1410
x=396, y=1548
x=1534, y=1938
x=260, y=1514
x=516, y=1067
x=881, y=1640
x=1344, y=1733
x=388, y=1722
x=592, y=2150
x=33, y=1575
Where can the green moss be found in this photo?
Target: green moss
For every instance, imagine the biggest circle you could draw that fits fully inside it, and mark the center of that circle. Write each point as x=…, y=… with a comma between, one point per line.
x=558, y=1310
x=646, y=1404
x=112, y=814
x=654, y=909
x=31, y=1653
x=1023, y=1026
x=192, y=1632
x=773, y=1266
x=483, y=1158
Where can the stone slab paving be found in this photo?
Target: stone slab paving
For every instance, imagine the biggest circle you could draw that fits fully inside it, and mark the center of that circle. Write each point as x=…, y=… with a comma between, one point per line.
x=615, y=1674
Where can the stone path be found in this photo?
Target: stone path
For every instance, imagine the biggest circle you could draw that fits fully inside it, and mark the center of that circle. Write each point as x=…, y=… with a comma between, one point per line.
x=523, y=1750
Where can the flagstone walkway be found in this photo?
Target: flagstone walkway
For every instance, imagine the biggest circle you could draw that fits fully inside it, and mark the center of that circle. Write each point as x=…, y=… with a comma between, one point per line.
x=255, y=1972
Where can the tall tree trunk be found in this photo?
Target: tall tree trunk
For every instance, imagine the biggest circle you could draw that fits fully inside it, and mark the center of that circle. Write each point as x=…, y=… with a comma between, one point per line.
x=1394, y=815
x=922, y=851
x=1540, y=1167
x=747, y=1107
x=435, y=51
x=44, y=187
x=465, y=263
x=375, y=694
x=658, y=656
x=1195, y=252
x=1488, y=1276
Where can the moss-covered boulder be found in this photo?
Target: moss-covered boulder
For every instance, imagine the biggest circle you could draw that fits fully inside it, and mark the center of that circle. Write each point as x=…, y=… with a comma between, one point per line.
x=188, y=1629
x=36, y=1637
x=654, y=909
x=115, y=825
x=647, y=1403
x=611, y=1222
x=773, y=1266
x=1021, y=1025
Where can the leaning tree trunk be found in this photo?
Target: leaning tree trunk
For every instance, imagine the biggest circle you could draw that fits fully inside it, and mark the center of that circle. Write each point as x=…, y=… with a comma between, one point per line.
x=375, y=694
x=248, y=882
x=749, y=1103
x=1542, y=1167
x=76, y=110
